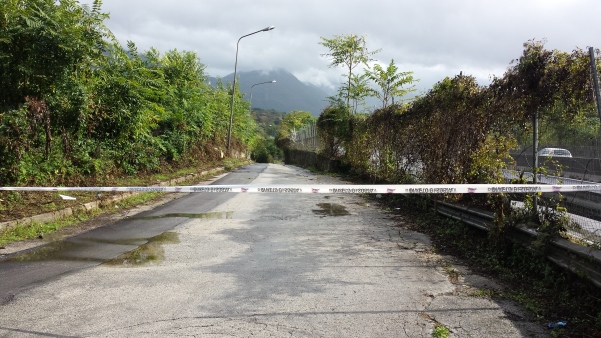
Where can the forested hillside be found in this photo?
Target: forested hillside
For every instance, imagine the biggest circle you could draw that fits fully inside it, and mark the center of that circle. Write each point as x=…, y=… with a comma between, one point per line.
x=286, y=94
x=77, y=107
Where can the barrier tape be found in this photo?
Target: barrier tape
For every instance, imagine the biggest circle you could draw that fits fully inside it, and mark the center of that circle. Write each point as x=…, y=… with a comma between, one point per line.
x=337, y=189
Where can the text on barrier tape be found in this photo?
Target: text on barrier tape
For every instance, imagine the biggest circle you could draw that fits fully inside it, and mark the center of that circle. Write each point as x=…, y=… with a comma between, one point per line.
x=338, y=189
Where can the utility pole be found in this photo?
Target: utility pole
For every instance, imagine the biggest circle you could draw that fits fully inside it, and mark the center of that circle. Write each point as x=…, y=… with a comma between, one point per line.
x=229, y=132
x=591, y=52
x=535, y=156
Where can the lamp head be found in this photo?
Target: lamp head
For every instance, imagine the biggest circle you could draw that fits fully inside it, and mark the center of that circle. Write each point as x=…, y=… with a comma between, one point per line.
x=268, y=28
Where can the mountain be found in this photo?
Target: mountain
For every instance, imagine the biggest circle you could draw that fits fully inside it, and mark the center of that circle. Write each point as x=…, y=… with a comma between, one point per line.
x=285, y=95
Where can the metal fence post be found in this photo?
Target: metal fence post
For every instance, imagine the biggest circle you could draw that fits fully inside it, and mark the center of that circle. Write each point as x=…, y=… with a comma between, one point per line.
x=595, y=79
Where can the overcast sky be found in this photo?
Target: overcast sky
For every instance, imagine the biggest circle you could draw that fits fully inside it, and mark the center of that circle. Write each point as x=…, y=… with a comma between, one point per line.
x=432, y=38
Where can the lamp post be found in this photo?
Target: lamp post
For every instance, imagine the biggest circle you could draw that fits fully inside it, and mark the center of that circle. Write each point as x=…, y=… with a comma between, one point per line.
x=229, y=133
x=251, y=93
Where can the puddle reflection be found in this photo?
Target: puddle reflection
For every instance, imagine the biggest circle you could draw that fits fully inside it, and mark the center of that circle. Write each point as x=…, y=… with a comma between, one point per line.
x=150, y=252
x=331, y=209
x=204, y=215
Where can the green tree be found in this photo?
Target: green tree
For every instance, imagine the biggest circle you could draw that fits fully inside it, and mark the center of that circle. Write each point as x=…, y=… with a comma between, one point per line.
x=43, y=42
x=187, y=123
x=390, y=82
x=295, y=120
x=48, y=51
x=126, y=109
x=333, y=129
x=359, y=90
x=244, y=128
x=348, y=51
x=540, y=79
x=75, y=105
x=291, y=123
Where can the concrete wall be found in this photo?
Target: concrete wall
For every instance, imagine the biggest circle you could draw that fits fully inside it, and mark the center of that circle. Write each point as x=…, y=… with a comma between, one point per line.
x=305, y=158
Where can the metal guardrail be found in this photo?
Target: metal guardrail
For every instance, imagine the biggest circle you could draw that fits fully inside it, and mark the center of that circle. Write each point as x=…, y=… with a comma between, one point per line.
x=584, y=261
x=584, y=207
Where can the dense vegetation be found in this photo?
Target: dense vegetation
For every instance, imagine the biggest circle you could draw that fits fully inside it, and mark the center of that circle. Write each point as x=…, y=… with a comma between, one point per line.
x=460, y=132
x=269, y=122
x=76, y=107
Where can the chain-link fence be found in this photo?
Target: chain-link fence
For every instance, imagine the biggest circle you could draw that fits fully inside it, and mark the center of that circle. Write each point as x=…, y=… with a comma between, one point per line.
x=583, y=167
x=306, y=138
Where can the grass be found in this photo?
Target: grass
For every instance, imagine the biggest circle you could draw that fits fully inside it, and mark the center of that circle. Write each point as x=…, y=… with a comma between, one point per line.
x=36, y=230
x=161, y=177
x=233, y=163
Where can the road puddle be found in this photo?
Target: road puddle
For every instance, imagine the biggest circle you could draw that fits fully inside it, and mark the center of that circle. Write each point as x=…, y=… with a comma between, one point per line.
x=151, y=252
x=331, y=209
x=55, y=251
x=71, y=250
x=204, y=215
x=90, y=250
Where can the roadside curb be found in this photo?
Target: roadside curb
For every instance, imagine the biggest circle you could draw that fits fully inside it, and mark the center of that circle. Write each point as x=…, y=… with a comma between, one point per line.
x=55, y=215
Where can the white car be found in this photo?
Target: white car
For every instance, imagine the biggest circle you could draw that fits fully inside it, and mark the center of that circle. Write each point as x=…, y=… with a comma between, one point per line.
x=554, y=152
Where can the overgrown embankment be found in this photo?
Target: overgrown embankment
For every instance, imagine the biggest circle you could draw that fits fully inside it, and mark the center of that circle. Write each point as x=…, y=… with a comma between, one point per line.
x=77, y=108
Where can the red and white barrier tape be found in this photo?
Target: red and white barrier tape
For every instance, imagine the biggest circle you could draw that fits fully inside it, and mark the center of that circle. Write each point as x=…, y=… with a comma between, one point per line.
x=337, y=189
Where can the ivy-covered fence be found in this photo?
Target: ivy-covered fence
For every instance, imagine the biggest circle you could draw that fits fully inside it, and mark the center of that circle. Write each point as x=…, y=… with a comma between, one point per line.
x=460, y=132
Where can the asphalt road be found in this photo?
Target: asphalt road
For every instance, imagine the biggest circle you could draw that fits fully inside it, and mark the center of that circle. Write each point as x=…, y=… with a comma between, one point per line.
x=241, y=265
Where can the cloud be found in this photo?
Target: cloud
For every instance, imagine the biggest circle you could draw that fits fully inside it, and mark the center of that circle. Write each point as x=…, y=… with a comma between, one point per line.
x=432, y=38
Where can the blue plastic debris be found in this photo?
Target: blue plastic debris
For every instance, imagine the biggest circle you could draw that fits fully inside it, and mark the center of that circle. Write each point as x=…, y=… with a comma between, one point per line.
x=557, y=324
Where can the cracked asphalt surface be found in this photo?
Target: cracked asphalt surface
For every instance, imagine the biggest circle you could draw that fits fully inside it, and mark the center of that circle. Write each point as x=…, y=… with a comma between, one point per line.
x=267, y=265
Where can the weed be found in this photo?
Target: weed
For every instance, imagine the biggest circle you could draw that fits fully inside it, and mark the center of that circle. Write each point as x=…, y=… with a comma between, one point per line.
x=48, y=206
x=161, y=177
x=483, y=293
x=140, y=198
x=453, y=273
x=233, y=163
x=185, y=171
x=13, y=196
x=440, y=331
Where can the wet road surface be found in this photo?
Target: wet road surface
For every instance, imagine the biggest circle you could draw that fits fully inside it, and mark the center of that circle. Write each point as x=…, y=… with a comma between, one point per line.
x=104, y=243
x=240, y=265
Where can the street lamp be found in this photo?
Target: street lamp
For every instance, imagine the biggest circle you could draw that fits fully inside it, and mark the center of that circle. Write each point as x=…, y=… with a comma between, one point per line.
x=251, y=93
x=229, y=133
